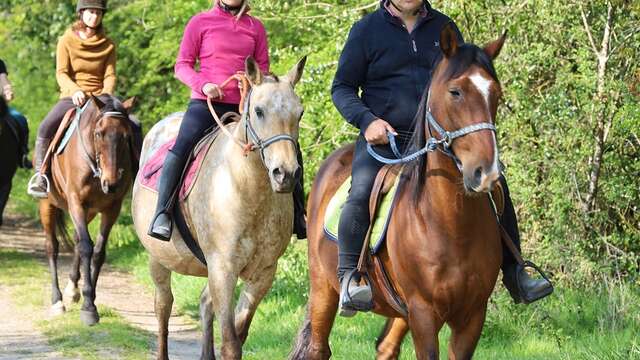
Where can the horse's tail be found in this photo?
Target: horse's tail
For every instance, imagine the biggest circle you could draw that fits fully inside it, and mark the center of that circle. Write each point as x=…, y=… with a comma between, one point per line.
x=62, y=233
x=301, y=349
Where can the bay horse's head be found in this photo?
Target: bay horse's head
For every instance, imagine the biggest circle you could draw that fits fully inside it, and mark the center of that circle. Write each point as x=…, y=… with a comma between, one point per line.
x=112, y=140
x=273, y=112
x=464, y=93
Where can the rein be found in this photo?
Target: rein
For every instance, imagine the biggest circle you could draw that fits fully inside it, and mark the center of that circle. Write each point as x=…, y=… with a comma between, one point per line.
x=250, y=132
x=433, y=143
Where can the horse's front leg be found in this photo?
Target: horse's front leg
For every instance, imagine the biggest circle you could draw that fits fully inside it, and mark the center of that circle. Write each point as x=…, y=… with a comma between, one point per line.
x=425, y=325
x=107, y=220
x=88, y=312
x=252, y=293
x=223, y=277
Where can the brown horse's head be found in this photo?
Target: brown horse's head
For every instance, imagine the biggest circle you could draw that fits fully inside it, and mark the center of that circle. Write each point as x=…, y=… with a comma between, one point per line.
x=274, y=112
x=112, y=140
x=465, y=91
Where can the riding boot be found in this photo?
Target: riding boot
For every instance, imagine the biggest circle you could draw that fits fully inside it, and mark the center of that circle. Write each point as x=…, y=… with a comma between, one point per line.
x=522, y=288
x=299, y=212
x=38, y=186
x=25, y=163
x=162, y=223
x=354, y=295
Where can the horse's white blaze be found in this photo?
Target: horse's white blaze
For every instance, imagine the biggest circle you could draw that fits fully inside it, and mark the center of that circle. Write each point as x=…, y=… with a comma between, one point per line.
x=482, y=84
x=495, y=168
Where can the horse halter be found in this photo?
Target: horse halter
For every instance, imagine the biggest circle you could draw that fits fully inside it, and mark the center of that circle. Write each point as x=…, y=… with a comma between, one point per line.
x=250, y=132
x=443, y=144
x=93, y=164
x=257, y=142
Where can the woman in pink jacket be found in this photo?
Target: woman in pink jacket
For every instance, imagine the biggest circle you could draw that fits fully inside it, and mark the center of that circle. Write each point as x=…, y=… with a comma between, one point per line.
x=219, y=40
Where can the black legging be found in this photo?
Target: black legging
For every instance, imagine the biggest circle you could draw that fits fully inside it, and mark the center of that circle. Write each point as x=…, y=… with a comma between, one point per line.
x=354, y=219
x=196, y=123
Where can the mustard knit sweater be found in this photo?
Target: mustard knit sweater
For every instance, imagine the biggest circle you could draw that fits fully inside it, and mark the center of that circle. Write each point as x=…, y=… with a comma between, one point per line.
x=87, y=65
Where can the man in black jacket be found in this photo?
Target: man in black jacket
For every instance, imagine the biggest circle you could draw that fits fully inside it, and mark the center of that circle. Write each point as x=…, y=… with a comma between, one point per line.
x=389, y=56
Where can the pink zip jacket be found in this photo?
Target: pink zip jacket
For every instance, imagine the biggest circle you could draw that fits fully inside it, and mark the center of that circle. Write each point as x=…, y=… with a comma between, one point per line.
x=220, y=43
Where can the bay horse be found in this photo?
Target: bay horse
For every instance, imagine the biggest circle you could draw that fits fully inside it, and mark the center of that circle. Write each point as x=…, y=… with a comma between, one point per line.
x=91, y=176
x=240, y=211
x=443, y=249
x=9, y=156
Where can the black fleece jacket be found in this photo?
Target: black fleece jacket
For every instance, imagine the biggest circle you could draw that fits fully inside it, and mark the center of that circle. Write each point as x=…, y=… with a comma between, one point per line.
x=390, y=66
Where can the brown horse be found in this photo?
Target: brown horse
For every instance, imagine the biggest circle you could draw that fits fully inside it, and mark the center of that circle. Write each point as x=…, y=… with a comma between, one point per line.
x=91, y=176
x=442, y=250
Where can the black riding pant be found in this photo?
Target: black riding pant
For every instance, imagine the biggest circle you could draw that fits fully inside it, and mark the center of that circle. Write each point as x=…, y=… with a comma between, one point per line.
x=355, y=219
x=197, y=122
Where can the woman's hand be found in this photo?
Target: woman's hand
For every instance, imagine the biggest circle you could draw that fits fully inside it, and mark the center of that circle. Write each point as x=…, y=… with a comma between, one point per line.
x=376, y=133
x=7, y=92
x=78, y=98
x=213, y=91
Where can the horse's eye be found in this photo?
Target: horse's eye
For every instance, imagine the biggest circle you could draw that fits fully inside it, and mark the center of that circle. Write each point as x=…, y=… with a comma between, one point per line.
x=259, y=112
x=455, y=93
x=98, y=135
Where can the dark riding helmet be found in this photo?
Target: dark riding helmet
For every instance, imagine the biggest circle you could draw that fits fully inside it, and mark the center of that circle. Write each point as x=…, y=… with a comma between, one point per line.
x=92, y=4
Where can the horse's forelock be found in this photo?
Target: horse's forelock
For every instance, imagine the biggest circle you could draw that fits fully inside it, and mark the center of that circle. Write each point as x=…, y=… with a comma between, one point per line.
x=467, y=56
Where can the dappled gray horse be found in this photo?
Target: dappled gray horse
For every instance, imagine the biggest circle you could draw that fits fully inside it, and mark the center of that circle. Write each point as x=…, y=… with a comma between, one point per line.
x=241, y=212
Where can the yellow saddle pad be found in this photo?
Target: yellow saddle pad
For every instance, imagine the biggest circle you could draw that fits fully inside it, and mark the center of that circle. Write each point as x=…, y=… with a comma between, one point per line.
x=380, y=223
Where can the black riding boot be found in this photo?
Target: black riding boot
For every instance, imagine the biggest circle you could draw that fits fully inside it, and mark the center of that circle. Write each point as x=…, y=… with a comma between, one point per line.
x=162, y=224
x=522, y=288
x=299, y=211
x=39, y=184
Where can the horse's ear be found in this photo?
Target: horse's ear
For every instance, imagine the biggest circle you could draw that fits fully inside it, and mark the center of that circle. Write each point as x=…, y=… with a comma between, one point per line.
x=252, y=71
x=493, y=48
x=129, y=103
x=449, y=40
x=295, y=74
x=97, y=102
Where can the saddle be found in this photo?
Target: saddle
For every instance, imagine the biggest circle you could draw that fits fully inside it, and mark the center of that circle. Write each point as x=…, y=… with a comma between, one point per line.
x=381, y=205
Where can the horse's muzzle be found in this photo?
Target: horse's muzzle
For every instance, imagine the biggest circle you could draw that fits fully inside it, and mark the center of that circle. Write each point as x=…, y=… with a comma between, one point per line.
x=283, y=181
x=108, y=188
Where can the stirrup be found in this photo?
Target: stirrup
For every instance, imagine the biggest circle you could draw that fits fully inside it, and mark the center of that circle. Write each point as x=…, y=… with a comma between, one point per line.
x=32, y=184
x=354, y=305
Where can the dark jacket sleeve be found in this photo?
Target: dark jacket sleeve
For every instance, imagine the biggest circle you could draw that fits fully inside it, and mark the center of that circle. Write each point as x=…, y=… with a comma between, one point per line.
x=3, y=68
x=349, y=78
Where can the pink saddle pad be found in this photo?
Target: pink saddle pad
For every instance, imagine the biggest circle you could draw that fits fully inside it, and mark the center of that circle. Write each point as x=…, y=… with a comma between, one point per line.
x=152, y=169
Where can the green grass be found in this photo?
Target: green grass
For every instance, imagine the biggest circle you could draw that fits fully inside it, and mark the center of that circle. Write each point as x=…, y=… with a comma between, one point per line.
x=111, y=338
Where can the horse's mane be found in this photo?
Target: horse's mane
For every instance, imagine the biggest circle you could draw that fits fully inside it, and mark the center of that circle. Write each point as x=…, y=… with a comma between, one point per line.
x=467, y=55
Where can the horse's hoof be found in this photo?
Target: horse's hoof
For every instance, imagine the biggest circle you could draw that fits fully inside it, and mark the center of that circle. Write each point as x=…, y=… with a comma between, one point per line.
x=57, y=309
x=89, y=318
x=72, y=292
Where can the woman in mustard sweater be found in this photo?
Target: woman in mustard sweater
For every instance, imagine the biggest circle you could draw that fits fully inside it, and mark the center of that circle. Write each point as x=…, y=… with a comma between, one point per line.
x=85, y=64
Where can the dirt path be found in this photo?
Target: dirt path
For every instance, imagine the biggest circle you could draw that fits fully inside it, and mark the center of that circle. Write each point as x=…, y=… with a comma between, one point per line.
x=19, y=339
x=116, y=289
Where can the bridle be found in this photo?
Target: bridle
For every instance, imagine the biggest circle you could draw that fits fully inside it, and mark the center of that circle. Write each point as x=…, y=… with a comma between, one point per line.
x=252, y=141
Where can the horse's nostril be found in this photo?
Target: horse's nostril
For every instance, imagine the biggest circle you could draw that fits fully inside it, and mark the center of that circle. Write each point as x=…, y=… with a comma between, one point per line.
x=278, y=174
x=477, y=175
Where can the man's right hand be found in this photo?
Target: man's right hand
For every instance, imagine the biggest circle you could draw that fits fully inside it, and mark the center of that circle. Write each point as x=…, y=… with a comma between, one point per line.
x=212, y=90
x=8, y=92
x=376, y=133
